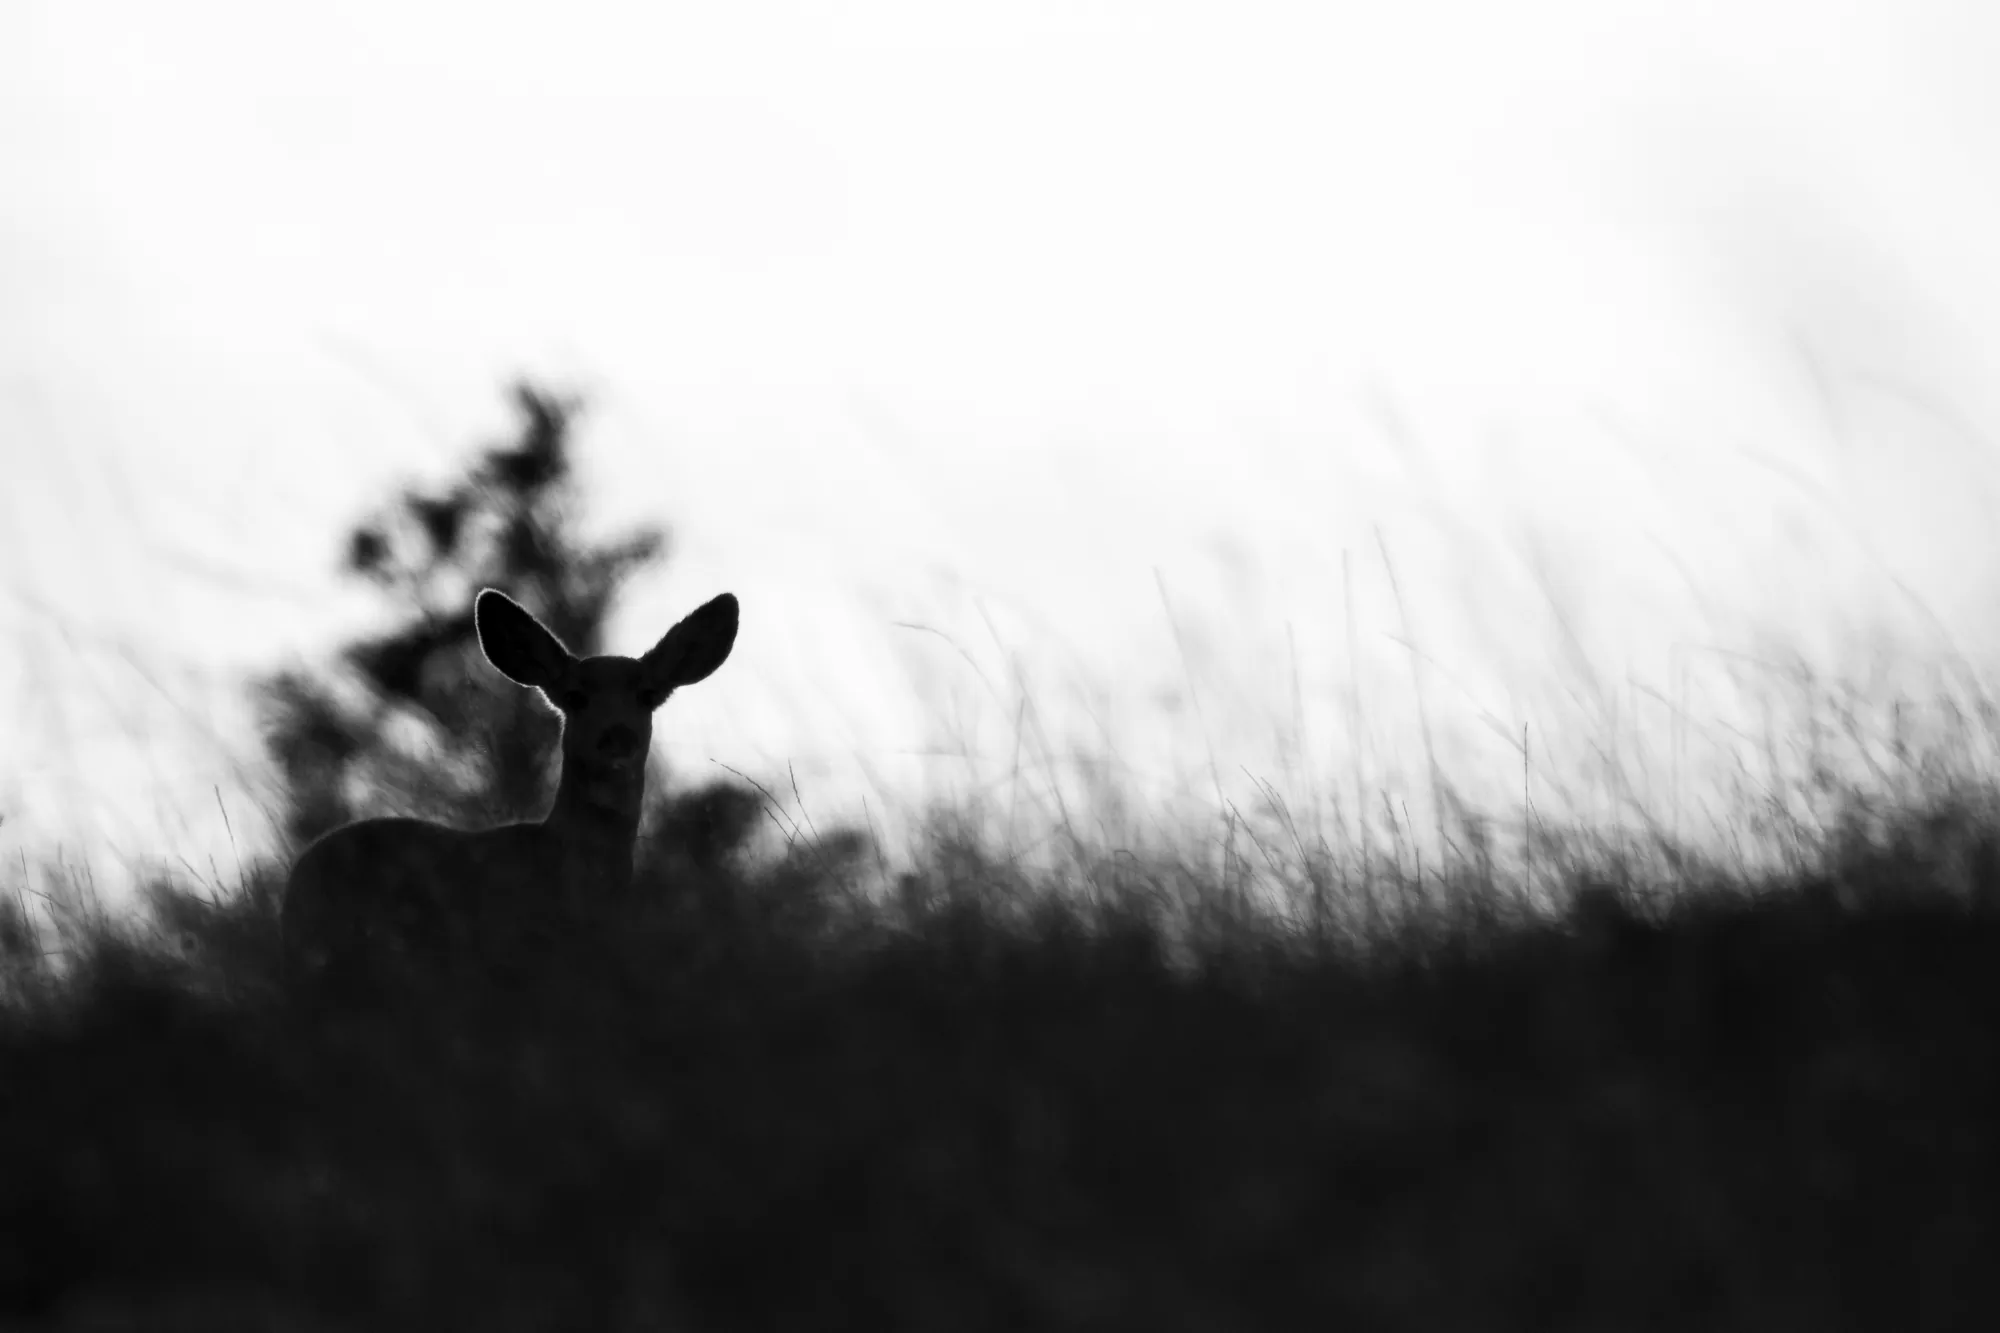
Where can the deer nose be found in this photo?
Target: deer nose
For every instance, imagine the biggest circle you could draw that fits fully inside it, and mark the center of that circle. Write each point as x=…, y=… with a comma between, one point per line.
x=619, y=742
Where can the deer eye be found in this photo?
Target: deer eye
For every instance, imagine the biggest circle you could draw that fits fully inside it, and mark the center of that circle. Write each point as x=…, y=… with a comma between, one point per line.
x=572, y=701
x=651, y=699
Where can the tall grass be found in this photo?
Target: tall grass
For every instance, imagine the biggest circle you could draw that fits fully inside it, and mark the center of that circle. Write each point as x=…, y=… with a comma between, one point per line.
x=1251, y=1077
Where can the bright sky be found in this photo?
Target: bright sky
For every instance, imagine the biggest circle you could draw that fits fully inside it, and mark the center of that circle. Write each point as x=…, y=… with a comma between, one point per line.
x=1143, y=346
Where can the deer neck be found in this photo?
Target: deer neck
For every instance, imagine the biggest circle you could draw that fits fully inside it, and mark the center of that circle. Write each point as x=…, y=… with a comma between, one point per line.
x=594, y=821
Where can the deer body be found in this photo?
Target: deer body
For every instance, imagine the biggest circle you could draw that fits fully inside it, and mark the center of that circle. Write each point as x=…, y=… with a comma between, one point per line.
x=379, y=890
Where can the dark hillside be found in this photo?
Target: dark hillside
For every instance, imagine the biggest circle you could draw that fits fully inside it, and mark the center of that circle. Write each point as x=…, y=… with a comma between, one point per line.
x=1759, y=1111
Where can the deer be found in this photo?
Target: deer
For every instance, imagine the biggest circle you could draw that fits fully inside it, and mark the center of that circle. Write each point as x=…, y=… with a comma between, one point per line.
x=379, y=892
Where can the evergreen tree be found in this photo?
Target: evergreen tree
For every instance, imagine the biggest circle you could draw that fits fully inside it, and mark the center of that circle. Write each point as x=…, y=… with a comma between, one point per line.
x=414, y=722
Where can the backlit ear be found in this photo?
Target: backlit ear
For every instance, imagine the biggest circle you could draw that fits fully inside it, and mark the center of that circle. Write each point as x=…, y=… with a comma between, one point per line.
x=517, y=643
x=693, y=649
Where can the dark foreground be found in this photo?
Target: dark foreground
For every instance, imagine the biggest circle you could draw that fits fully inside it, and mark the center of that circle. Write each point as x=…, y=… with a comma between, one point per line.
x=1762, y=1118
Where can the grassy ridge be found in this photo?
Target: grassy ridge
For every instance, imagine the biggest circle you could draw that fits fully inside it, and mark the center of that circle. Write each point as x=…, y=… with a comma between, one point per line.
x=1764, y=1106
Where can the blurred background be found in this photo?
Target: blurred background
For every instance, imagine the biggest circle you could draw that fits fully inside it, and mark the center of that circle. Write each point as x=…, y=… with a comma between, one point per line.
x=1114, y=412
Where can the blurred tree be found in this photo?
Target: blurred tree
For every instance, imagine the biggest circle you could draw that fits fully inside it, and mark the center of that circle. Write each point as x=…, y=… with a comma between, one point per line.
x=416, y=723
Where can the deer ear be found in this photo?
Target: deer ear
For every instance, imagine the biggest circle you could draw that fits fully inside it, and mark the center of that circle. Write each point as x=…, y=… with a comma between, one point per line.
x=693, y=649
x=516, y=643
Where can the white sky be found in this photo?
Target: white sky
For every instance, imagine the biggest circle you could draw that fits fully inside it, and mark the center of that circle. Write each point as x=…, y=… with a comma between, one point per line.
x=1622, y=330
